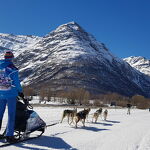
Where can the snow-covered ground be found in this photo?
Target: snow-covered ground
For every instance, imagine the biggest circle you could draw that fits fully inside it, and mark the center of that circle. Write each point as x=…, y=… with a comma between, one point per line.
x=119, y=132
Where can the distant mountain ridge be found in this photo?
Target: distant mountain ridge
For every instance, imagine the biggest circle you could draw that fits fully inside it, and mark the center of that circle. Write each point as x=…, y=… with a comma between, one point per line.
x=140, y=63
x=70, y=57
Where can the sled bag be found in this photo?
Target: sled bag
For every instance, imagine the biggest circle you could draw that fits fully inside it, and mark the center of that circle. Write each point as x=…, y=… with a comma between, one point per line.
x=34, y=122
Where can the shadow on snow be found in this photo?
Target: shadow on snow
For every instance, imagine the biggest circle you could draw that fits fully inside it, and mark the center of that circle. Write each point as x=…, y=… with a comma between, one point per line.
x=112, y=121
x=47, y=142
x=104, y=124
x=93, y=129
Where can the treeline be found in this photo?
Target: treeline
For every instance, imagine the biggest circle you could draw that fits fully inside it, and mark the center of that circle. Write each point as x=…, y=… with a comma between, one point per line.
x=81, y=96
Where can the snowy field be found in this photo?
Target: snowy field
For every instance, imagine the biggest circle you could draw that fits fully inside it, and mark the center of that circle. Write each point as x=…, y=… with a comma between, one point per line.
x=119, y=132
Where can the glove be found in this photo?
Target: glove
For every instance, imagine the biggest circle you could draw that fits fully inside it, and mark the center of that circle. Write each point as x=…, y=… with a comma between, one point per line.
x=21, y=95
x=26, y=102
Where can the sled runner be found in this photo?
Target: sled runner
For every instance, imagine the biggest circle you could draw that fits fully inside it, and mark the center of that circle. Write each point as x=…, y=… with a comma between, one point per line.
x=24, y=139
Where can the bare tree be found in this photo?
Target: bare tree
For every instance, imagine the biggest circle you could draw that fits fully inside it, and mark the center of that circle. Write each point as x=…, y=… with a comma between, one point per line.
x=86, y=96
x=71, y=97
x=28, y=92
x=48, y=93
x=42, y=94
x=140, y=102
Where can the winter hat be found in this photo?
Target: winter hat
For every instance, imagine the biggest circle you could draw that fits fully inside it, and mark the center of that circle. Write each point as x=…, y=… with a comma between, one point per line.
x=9, y=55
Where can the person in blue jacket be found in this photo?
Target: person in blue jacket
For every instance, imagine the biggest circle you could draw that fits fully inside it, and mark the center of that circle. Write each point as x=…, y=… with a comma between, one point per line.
x=10, y=88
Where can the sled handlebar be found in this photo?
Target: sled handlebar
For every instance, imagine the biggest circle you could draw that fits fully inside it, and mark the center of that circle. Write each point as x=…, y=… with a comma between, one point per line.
x=26, y=102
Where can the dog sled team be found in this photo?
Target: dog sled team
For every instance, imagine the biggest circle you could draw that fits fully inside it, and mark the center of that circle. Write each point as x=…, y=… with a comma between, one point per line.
x=74, y=117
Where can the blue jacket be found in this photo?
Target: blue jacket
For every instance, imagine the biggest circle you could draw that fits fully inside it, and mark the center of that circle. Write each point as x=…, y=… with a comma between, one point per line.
x=13, y=73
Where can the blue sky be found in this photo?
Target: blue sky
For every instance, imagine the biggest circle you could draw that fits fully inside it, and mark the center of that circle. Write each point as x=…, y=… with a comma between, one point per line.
x=123, y=25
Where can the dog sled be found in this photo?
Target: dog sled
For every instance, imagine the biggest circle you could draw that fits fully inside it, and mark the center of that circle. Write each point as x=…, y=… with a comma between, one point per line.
x=27, y=121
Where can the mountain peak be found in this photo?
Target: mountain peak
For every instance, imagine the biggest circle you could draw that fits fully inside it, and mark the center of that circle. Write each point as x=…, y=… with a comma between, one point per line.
x=69, y=27
x=72, y=25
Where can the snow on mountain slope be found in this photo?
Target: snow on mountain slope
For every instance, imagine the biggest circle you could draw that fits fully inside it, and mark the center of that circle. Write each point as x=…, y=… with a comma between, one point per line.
x=140, y=63
x=66, y=45
x=70, y=57
x=17, y=43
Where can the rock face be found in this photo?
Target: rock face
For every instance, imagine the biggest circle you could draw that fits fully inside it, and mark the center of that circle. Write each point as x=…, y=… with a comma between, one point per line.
x=70, y=57
x=140, y=63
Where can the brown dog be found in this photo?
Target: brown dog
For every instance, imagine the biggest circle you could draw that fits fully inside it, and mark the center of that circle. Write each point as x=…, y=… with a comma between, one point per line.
x=97, y=114
x=105, y=114
x=81, y=115
x=69, y=114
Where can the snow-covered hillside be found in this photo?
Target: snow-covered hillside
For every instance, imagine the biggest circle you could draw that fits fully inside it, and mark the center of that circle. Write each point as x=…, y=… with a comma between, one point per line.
x=70, y=57
x=140, y=63
x=17, y=43
x=119, y=132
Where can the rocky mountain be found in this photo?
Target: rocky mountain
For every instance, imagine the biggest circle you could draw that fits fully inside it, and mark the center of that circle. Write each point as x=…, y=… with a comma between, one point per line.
x=17, y=43
x=69, y=57
x=140, y=63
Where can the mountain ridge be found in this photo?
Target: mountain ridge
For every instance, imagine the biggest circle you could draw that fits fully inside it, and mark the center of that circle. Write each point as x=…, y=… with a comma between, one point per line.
x=70, y=57
x=140, y=63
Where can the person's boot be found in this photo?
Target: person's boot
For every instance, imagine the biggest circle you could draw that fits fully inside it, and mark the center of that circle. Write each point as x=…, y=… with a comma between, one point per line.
x=11, y=139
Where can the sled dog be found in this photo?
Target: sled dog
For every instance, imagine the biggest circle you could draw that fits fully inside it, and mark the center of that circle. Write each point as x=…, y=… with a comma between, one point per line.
x=81, y=115
x=69, y=114
x=105, y=114
x=97, y=114
x=87, y=110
